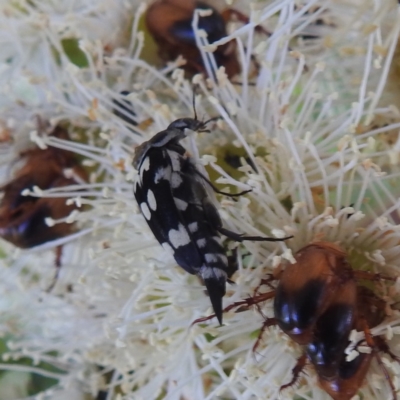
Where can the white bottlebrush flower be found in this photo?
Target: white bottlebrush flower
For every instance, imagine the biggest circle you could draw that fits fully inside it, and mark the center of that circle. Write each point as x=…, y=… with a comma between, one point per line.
x=119, y=318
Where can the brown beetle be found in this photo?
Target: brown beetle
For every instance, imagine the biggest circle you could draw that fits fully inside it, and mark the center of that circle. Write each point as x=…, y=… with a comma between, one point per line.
x=170, y=24
x=22, y=218
x=321, y=303
x=317, y=302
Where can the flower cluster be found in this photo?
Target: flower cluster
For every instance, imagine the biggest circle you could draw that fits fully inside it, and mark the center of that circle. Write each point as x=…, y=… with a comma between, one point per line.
x=310, y=125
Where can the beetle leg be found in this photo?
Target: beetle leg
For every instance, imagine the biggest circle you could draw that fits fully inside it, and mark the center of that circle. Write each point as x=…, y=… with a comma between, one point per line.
x=376, y=346
x=249, y=301
x=257, y=65
x=296, y=371
x=267, y=323
x=266, y=282
x=386, y=373
x=371, y=276
x=232, y=264
x=383, y=346
x=220, y=191
x=238, y=237
x=57, y=264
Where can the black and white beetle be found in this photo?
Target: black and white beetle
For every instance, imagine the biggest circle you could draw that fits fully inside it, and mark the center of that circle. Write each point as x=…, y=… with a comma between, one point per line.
x=172, y=197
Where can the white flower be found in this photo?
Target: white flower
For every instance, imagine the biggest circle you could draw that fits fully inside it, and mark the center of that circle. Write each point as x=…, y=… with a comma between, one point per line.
x=119, y=318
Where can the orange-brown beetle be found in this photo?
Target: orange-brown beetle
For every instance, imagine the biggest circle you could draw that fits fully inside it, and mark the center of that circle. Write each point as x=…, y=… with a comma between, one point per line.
x=170, y=24
x=22, y=218
x=322, y=303
x=317, y=302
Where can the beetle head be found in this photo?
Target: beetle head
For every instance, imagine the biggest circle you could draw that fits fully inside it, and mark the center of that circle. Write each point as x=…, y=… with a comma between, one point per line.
x=188, y=123
x=175, y=132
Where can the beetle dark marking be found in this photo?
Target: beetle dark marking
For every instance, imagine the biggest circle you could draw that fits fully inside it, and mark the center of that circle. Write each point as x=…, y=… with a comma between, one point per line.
x=309, y=287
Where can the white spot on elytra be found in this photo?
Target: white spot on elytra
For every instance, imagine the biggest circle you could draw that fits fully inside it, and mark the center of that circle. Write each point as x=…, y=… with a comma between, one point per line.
x=201, y=242
x=178, y=237
x=223, y=258
x=210, y=258
x=217, y=239
x=176, y=180
x=144, y=167
x=193, y=227
x=145, y=211
x=180, y=204
x=175, y=160
x=162, y=173
x=215, y=257
x=208, y=272
x=151, y=200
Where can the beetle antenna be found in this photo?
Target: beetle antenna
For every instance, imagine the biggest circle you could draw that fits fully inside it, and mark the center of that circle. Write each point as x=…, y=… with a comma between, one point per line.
x=194, y=103
x=212, y=119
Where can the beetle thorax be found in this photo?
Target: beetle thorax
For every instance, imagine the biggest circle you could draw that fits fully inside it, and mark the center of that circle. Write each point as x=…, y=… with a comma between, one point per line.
x=161, y=139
